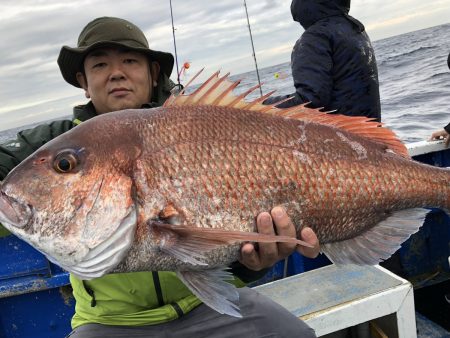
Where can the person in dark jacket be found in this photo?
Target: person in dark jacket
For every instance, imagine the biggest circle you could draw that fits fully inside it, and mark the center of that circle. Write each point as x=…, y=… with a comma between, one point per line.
x=115, y=67
x=333, y=63
x=444, y=133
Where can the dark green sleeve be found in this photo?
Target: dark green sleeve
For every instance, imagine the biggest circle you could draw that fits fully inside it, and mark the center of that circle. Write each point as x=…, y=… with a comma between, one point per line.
x=27, y=142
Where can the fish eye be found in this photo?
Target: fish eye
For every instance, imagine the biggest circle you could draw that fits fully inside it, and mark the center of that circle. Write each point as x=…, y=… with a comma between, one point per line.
x=65, y=162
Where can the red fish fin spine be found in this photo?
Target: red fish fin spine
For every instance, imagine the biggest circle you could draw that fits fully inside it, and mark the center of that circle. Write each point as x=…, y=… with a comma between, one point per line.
x=191, y=80
x=227, y=95
x=362, y=126
x=170, y=101
x=259, y=100
x=281, y=101
x=200, y=92
x=207, y=96
x=239, y=101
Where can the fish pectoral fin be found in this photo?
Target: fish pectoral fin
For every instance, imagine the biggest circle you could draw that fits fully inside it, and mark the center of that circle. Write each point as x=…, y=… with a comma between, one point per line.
x=177, y=239
x=174, y=244
x=212, y=288
x=188, y=243
x=379, y=242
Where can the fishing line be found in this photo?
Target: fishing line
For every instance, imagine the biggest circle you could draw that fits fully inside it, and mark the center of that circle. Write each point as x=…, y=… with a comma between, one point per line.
x=253, y=48
x=175, y=45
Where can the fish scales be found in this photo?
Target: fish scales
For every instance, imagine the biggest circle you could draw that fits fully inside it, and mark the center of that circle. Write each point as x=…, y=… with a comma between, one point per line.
x=223, y=181
x=178, y=188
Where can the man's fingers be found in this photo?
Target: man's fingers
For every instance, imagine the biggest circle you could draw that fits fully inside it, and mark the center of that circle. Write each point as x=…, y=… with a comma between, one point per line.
x=284, y=227
x=309, y=236
x=264, y=224
x=268, y=252
x=437, y=135
x=249, y=257
x=282, y=222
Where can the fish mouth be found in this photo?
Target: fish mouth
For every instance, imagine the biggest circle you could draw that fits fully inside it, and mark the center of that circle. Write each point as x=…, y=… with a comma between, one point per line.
x=14, y=214
x=108, y=254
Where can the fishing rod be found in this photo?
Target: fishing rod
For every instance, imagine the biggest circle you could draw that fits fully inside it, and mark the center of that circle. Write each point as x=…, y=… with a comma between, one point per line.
x=175, y=46
x=253, y=47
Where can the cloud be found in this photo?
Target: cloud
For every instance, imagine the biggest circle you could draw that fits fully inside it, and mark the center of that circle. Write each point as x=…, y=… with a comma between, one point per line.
x=421, y=11
x=211, y=34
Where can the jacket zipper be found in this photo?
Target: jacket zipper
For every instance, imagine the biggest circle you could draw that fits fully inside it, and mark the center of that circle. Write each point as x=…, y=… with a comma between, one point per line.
x=159, y=296
x=158, y=289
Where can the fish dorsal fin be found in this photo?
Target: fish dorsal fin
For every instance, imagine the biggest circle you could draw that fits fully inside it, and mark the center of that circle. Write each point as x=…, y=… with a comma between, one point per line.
x=218, y=91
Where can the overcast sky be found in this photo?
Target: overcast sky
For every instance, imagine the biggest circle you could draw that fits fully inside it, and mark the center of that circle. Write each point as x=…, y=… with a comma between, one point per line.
x=211, y=34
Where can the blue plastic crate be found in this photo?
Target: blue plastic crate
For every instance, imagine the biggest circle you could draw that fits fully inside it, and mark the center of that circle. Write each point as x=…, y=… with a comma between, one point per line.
x=293, y=265
x=40, y=314
x=31, y=304
x=20, y=259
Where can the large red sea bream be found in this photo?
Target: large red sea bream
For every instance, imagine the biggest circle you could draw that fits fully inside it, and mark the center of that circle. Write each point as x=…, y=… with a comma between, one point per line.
x=178, y=188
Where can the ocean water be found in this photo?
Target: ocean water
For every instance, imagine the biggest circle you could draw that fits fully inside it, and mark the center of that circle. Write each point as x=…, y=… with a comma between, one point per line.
x=414, y=82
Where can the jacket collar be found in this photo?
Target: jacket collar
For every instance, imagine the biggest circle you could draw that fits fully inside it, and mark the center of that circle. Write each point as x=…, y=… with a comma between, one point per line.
x=84, y=112
x=87, y=111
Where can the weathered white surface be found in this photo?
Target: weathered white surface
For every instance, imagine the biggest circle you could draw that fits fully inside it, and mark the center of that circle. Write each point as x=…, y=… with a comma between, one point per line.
x=333, y=298
x=424, y=147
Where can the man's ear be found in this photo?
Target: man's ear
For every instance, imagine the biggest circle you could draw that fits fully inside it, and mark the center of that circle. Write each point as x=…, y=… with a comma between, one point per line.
x=83, y=83
x=154, y=71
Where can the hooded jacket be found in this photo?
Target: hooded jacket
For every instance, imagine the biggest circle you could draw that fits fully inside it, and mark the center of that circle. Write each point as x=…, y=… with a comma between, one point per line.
x=333, y=62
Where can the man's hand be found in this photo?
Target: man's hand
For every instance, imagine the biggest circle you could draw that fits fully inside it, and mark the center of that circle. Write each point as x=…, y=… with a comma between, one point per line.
x=441, y=134
x=270, y=253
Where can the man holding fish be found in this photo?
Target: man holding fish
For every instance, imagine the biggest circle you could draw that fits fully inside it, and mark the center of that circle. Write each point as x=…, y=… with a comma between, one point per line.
x=116, y=69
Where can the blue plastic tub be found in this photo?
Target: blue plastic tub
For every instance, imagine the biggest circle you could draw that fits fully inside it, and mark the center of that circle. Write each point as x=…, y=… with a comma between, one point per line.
x=31, y=301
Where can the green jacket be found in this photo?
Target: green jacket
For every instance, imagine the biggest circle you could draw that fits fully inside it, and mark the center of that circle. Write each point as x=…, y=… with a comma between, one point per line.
x=139, y=298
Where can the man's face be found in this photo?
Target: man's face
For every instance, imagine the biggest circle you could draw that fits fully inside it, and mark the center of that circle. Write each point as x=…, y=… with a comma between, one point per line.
x=117, y=79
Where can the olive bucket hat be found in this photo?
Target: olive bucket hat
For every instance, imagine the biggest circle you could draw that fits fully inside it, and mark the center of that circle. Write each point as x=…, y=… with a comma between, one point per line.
x=108, y=32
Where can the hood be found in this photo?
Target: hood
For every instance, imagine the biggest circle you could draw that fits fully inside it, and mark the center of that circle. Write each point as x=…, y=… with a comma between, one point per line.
x=308, y=12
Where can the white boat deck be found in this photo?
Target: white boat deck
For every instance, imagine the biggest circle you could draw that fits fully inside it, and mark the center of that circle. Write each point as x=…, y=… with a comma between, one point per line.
x=334, y=298
x=425, y=147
